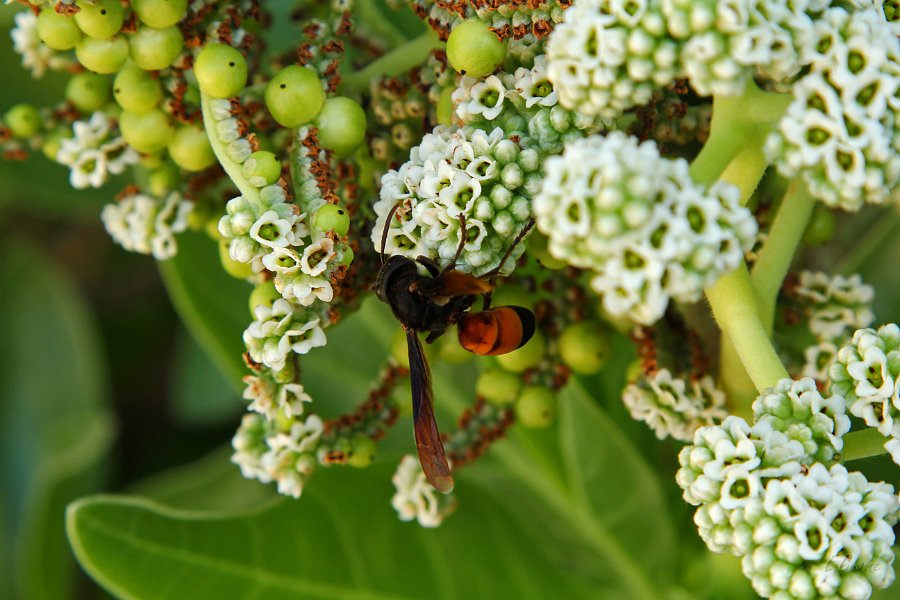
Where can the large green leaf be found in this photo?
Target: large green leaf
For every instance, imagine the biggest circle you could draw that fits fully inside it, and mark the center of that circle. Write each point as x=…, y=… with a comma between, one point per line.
x=211, y=304
x=54, y=426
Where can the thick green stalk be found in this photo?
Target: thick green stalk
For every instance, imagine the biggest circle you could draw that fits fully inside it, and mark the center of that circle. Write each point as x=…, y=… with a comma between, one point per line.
x=863, y=444
x=733, y=302
x=396, y=62
x=775, y=256
x=231, y=168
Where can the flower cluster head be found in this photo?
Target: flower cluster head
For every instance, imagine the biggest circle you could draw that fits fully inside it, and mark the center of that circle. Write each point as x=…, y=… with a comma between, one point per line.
x=141, y=223
x=675, y=407
x=94, y=151
x=840, y=132
x=867, y=374
x=281, y=329
x=509, y=19
x=523, y=103
x=274, y=398
x=639, y=221
x=269, y=453
x=417, y=499
x=466, y=175
x=765, y=493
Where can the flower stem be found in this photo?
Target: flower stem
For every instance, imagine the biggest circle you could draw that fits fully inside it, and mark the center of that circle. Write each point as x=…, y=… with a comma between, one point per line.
x=231, y=168
x=778, y=251
x=733, y=302
x=880, y=233
x=399, y=60
x=863, y=444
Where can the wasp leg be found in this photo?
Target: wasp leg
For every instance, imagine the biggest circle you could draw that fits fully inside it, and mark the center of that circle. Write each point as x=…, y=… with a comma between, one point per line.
x=433, y=268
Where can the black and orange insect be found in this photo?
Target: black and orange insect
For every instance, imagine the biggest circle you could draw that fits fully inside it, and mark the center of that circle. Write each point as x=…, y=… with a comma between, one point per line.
x=430, y=304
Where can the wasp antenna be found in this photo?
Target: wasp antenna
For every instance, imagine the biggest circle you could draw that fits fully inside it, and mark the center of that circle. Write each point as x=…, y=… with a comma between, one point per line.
x=387, y=225
x=493, y=273
x=462, y=242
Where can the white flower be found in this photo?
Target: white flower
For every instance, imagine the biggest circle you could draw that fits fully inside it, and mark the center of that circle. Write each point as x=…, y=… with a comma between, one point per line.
x=316, y=256
x=143, y=224
x=487, y=98
x=271, y=398
x=415, y=498
x=37, y=57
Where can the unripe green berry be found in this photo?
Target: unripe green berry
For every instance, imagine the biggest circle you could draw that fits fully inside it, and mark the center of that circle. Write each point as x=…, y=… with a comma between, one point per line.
x=146, y=132
x=585, y=347
x=264, y=294
x=102, y=55
x=445, y=107
x=60, y=32
x=163, y=179
x=262, y=168
x=528, y=356
x=821, y=226
x=88, y=91
x=331, y=216
x=451, y=352
x=474, y=50
x=536, y=407
x=498, y=386
x=634, y=370
x=294, y=96
x=190, y=149
x=155, y=49
x=100, y=19
x=53, y=142
x=159, y=13
x=346, y=256
x=23, y=120
x=221, y=71
x=362, y=451
x=136, y=90
x=234, y=268
x=342, y=125
x=511, y=294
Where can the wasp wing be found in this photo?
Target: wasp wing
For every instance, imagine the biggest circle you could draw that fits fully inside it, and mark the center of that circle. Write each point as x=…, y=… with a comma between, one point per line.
x=428, y=438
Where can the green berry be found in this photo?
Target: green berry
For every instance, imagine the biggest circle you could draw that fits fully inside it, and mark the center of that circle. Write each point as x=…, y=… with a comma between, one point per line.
x=101, y=18
x=634, y=370
x=155, y=49
x=23, y=120
x=585, y=347
x=362, y=451
x=264, y=294
x=451, y=352
x=346, y=256
x=190, y=149
x=146, y=132
x=234, y=268
x=294, y=96
x=88, y=91
x=445, y=107
x=528, y=356
x=102, y=56
x=331, y=216
x=511, y=294
x=163, y=179
x=263, y=166
x=60, y=32
x=136, y=90
x=498, y=386
x=536, y=407
x=53, y=142
x=159, y=13
x=221, y=71
x=821, y=226
x=474, y=50
x=342, y=125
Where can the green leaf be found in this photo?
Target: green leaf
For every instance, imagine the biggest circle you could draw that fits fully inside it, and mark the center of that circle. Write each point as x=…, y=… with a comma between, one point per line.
x=54, y=426
x=200, y=393
x=211, y=304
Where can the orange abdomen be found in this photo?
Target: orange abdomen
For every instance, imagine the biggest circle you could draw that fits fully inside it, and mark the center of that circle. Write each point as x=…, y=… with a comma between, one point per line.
x=496, y=331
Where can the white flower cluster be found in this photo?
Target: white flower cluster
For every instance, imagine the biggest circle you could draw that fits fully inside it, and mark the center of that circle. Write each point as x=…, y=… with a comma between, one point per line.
x=273, y=398
x=92, y=153
x=640, y=223
x=415, y=498
x=484, y=178
x=281, y=329
x=840, y=134
x=37, y=56
x=803, y=530
x=608, y=56
x=523, y=104
x=268, y=453
x=675, y=407
x=867, y=374
x=141, y=223
x=835, y=306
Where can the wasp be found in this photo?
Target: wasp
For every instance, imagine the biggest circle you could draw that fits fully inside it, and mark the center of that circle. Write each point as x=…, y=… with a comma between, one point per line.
x=432, y=302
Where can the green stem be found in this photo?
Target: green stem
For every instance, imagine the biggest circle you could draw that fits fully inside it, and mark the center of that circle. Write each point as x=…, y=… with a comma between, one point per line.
x=775, y=256
x=377, y=23
x=882, y=231
x=863, y=444
x=396, y=62
x=733, y=302
x=232, y=169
